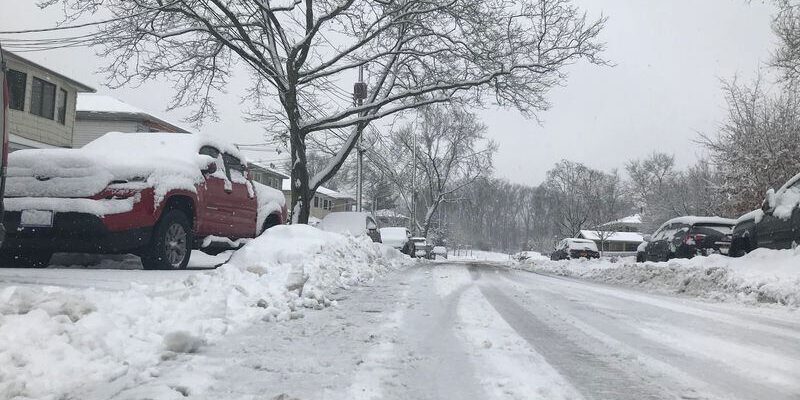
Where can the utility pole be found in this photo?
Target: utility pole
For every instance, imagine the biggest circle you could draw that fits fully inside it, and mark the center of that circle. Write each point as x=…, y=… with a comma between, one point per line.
x=414, y=184
x=359, y=94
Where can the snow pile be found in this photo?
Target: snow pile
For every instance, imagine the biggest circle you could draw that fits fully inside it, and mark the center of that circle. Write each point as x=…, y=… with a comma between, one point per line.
x=529, y=256
x=55, y=342
x=763, y=276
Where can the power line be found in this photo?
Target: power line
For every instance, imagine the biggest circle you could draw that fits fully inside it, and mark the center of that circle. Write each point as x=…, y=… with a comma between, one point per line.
x=84, y=25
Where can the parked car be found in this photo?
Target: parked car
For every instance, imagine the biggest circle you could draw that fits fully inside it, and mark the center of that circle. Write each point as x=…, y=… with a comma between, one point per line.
x=352, y=223
x=575, y=248
x=156, y=195
x=421, y=247
x=439, y=252
x=686, y=237
x=775, y=226
x=399, y=238
x=640, y=252
x=5, y=100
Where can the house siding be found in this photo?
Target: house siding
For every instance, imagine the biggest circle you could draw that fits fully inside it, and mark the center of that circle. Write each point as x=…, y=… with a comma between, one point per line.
x=34, y=127
x=88, y=130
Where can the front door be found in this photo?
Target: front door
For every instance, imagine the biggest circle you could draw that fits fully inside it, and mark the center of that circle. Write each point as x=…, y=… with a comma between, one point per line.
x=241, y=200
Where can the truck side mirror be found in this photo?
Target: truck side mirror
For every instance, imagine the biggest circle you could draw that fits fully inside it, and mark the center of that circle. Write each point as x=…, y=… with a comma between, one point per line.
x=210, y=168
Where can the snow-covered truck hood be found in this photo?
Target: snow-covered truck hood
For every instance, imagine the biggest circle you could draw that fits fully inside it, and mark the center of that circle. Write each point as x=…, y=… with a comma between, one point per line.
x=164, y=161
x=54, y=173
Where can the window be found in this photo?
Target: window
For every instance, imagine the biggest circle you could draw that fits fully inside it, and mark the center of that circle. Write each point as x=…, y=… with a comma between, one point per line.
x=17, y=83
x=62, y=106
x=232, y=164
x=43, y=98
x=316, y=202
x=209, y=151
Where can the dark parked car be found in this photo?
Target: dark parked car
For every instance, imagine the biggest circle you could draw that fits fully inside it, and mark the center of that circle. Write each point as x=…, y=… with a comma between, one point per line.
x=575, y=248
x=422, y=249
x=686, y=237
x=775, y=226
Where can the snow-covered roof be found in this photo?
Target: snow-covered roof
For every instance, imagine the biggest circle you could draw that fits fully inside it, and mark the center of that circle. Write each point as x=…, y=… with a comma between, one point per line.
x=613, y=236
x=269, y=169
x=635, y=219
x=286, y=185
x=92, y=104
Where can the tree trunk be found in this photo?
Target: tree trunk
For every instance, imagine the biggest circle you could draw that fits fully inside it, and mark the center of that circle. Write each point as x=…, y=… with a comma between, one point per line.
x=301, y=191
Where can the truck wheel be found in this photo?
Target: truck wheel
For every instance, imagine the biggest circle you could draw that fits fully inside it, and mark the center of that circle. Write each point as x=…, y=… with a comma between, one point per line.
x=171, y=244
x=24, y=260
x=272, y=220
x=738, y=248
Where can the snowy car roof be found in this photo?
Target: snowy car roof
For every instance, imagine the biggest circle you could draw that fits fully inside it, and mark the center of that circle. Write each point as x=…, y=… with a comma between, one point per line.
x=694, y=220
x=352, y=222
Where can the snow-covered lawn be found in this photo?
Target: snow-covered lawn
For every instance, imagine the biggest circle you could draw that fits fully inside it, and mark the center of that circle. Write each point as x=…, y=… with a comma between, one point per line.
x=57, y=341
x=763, y=276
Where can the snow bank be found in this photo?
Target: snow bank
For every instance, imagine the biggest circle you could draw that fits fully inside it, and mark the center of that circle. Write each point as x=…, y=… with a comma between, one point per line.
x=478, y=255
x=55, y=341
x=763, y=276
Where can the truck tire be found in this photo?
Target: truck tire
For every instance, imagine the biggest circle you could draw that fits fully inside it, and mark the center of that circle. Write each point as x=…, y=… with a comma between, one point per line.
x=270, y=221
x=171, y=244
x=739, y=248
x=13, y=259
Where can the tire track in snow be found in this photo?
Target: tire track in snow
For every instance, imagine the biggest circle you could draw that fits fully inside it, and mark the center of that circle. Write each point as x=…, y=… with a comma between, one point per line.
x=597, y=373
x=649, y=330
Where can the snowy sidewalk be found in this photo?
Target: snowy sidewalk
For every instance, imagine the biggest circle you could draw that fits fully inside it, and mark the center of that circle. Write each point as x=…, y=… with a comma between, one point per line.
x=458, y=331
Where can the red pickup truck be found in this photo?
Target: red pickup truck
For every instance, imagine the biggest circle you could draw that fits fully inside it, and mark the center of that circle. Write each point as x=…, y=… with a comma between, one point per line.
x=156, y=195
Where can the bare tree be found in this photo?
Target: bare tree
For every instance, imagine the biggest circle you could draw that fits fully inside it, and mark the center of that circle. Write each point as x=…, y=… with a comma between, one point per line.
x=786, y=26
x=758, y=146
x=451, y=153
x=298, y=51
x=607, y=203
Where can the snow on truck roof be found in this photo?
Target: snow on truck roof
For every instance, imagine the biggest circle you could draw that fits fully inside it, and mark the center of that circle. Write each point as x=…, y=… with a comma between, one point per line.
x=165, y=160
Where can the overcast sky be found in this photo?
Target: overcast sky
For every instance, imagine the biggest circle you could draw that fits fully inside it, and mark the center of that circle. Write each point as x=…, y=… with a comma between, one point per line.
x=664, y=88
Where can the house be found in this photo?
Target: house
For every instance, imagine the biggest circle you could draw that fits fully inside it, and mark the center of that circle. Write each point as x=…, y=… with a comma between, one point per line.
x=632, y=223
x=325, y=200
x=98, y=114
x=614, y=243
x=42, y=105
x=267, y=176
